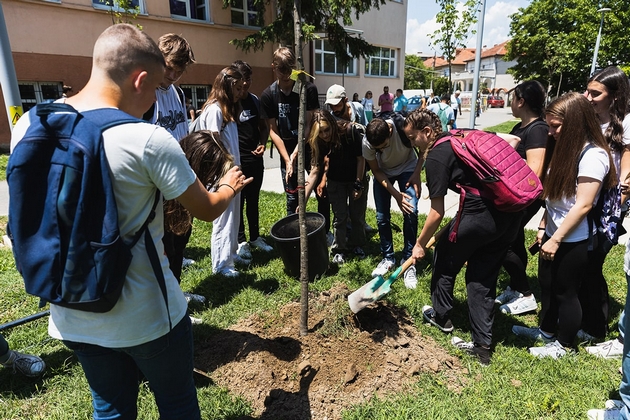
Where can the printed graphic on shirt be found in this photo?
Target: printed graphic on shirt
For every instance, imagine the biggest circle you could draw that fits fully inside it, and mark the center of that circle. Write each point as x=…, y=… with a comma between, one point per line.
x=246, y=115
x=170, y=120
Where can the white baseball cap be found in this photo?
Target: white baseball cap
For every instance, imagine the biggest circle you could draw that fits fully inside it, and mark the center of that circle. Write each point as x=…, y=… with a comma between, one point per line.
x=335, y=94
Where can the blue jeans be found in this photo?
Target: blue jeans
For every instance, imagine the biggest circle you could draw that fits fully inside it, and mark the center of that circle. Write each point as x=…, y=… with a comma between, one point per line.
x=166, y=362
x=624, y=388
x=383, y=201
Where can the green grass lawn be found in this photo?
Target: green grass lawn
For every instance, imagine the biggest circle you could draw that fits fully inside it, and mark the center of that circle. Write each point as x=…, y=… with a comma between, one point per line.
x=514, y=386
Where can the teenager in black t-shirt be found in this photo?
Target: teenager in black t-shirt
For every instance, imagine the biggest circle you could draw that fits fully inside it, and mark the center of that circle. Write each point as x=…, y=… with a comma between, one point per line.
x=483, y=236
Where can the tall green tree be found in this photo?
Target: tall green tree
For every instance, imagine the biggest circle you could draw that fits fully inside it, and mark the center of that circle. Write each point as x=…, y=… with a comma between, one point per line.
x=553, y=41
x=318, y=16
x=455, y=27
x=417, y=75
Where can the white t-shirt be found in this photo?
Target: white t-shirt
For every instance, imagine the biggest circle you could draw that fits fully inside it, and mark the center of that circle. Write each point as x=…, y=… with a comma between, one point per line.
x=212, y=120
x=368, y=104
x=170, y=112
x=142, y=157
x=593, y=164
x=395, y=159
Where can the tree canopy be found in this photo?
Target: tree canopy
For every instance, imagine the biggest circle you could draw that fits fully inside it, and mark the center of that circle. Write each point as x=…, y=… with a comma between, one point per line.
x=553, y=41
x=417, y=75
x=318, y=16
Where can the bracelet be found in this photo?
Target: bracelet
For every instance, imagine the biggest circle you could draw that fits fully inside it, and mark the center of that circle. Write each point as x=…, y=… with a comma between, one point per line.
x=541, y=228
x=227, y=185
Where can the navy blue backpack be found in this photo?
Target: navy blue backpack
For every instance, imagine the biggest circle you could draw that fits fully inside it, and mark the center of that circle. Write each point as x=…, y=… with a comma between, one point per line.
x=63, y=219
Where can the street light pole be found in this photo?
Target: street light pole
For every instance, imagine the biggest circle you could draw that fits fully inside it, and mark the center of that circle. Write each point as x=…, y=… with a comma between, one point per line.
x=599, y=36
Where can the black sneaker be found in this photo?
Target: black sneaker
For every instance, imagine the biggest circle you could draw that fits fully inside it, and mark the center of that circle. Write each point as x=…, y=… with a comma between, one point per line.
x=444, y=324
x=481, y=353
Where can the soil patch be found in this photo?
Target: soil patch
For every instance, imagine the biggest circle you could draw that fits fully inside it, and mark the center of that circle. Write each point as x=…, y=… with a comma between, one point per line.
x=344, y=360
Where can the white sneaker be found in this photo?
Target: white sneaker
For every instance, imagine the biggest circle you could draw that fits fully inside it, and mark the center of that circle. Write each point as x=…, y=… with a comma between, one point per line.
x=244, y=251
x=461, y=344
x=553, y=349
x=261, y=244
x=383, y=267
x=618, y=404
x=411, y=281
x=520, y=305
x=195, y=321
x=187, y=262
x=230, y=272
x=338, y=259
x=507, y=296
x=604, y=414
x=27, y=364
x=611, y=349
x=241, y=260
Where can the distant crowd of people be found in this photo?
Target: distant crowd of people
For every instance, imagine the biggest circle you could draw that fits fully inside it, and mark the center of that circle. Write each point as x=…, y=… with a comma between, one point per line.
x=578, y=145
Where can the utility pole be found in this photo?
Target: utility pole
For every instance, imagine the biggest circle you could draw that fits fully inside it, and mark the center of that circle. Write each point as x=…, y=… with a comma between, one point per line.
x=8, y=78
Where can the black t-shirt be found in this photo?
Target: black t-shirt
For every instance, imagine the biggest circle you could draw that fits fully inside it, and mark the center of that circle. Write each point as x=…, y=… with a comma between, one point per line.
x=443, y=171
x=285, y=109
x=533, y=136
x=248, y=131
x=342, y=165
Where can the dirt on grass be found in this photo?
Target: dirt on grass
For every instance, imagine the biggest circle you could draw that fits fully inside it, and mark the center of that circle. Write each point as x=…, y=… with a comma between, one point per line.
x=345, y=359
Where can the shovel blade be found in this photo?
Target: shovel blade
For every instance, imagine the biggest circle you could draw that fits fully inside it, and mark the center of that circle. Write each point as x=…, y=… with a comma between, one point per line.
x=371, y=291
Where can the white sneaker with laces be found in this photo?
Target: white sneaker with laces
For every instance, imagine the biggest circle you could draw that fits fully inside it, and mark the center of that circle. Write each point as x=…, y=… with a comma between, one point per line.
x=611, y=349
x=244, y=251
x=461, y=344
x=26, y=364
x=261, y=244
x=187, y=262
x=338, y=259
x=507, y=296
x=410, y=278
x=230, y=272
x=604, y=414
x=383, y=267
x=554, y=350
x=520, y=305
x=195, y=321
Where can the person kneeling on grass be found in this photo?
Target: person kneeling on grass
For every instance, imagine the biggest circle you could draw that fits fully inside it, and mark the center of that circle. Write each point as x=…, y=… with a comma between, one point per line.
x=483, y=236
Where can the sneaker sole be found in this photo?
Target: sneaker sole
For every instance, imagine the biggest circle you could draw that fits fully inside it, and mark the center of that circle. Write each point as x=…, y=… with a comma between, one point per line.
x=435, y=324
x=518, y=311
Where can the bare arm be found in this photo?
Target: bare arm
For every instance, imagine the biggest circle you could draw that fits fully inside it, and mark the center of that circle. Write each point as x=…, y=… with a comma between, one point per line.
x=263, y=128
x=586, y=192
x=535, y=159
x=207, y=206
x=625, y=173
x=416, y=178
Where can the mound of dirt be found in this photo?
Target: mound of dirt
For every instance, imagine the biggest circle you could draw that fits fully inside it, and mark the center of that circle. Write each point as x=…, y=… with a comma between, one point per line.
x=344, y=360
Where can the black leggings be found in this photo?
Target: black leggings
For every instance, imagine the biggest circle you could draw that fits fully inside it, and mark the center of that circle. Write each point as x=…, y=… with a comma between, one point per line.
x=560, y=282
x=174, y=246
x=251, y=195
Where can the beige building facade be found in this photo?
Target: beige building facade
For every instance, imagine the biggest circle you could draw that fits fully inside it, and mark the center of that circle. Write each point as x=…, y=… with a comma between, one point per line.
x=52, y=41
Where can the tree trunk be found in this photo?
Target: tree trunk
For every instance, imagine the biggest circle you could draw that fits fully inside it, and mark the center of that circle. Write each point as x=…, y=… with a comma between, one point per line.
x=297, y=22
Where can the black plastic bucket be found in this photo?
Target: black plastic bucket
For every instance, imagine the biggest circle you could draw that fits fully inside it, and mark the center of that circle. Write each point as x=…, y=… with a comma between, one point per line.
x=286, y=233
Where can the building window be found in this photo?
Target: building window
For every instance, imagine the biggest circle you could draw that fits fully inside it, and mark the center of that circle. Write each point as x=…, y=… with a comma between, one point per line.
x=32, y=93
x=108, y=4
x=383, y=63
x=190, y=9
x=326, y=60
x=245, y=12
x=198, y=94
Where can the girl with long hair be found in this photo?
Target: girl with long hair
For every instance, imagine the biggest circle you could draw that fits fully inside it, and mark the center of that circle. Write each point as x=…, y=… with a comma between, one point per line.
x=577, y=165
x=219, y=116
x=528, y=103
x=340, y=142
x=368, y=105
x=483, y=236
x=608, y=91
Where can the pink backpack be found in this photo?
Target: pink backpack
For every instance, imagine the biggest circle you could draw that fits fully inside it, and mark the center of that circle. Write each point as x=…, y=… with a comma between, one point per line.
x=507, y=180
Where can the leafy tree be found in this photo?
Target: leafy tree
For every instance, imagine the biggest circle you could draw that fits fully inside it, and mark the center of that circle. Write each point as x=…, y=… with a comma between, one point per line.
x=122, y=11
x=553, y=41
x=417, y=75
x=455, y=27
x=318, y=16
x=441, y=86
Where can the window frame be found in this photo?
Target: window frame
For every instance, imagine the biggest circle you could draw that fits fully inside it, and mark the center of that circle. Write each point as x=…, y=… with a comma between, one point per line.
x=197, y=100
x=380, y=59
x=29, y=103
x=319, y=50
x=245, y=13
x=189, y=9
x=101, y=5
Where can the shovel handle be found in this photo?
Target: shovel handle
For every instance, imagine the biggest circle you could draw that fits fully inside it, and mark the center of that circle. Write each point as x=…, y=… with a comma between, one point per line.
x=436, y=236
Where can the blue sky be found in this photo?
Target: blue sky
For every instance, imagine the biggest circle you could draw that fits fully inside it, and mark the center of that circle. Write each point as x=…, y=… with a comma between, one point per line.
x=421, y=22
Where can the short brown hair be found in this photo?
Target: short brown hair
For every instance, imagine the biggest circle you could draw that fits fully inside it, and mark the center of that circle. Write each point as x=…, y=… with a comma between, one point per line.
x=176, y=50
x=284, y=59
